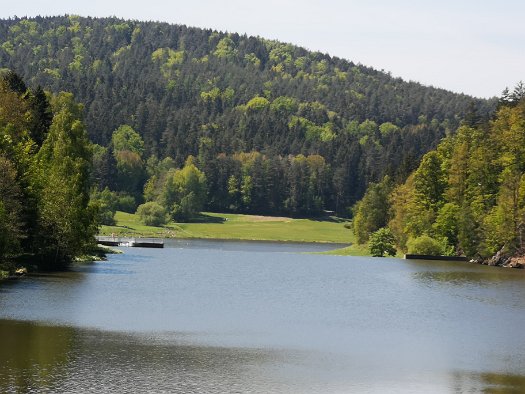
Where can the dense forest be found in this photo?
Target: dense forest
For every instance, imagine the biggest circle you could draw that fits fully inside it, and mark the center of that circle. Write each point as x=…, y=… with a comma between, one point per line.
x=186, y=118
x=466, y=197
x=45, y=161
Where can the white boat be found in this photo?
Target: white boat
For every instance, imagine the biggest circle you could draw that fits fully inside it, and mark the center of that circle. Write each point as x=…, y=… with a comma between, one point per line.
x=127, y=244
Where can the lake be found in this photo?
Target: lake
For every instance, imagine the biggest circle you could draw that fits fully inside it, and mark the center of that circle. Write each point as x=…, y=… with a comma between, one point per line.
x=238, y=317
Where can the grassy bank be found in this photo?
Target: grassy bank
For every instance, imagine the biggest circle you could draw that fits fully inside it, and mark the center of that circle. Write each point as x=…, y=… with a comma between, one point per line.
x=235, y=226
x=352, y=250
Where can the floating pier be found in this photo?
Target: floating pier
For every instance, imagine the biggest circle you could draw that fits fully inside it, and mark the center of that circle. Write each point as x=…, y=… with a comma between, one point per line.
x=130, y=242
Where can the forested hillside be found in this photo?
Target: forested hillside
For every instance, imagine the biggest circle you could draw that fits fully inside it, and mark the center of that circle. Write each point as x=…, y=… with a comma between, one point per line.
x=272, y=127
x=467, y=197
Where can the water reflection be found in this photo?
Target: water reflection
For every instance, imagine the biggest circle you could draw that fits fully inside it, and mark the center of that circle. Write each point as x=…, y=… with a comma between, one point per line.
x=40, y=358
x=32, y=356
x=462, y=278
x=501, y=383
x=36, y=358
x=488, y=382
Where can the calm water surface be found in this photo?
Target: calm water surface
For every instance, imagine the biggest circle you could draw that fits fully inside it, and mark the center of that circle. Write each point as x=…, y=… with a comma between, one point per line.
x=220, y=317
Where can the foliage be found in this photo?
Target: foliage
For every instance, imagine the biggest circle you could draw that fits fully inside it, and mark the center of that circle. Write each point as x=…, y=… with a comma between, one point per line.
x=372, y=212
x=257, y=104
x=126, y=139
x=184, y=191
x=388, y=128
x=66, y=221
x=446, y=223
x=426, y=245
x=429, y=181
x=152, y=214
x=468, y=195
x=174, y=85
x=106, y=202
x=130, y=171
x=284, y=105
x=11, y=229
x=225, y=48
x=382, y=242
x=45, y=160
x=128, y=149
x=126, y=203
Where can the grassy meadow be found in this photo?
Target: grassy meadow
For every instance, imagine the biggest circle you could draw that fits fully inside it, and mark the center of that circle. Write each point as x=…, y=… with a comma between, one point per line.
x=234, y=226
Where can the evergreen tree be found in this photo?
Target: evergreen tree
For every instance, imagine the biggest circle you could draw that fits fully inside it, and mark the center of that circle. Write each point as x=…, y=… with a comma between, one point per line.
x=66, y=221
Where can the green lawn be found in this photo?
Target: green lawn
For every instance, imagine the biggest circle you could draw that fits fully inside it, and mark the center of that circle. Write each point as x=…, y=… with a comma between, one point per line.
x=352, y=250
x=356, y=250
x=233, y=226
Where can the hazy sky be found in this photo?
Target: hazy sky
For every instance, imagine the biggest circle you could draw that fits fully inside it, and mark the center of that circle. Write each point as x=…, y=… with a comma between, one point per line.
x=475, y=47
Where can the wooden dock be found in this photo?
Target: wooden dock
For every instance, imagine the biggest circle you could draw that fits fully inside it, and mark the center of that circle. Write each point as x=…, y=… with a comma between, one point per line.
x=130, y=242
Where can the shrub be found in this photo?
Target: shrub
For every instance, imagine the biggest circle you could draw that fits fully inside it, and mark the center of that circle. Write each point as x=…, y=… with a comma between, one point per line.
x=152, y=214
x=106, y=216
x=106, y=201
x=382, y=242
x=426, y=245
x=187, y=208
x=126, y=203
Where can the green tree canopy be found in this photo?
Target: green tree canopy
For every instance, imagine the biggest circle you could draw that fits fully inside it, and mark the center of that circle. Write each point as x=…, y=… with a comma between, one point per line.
x=126, y=139
x=11, y=228
x=184, y=191
x=372, y=212
x=66, y=222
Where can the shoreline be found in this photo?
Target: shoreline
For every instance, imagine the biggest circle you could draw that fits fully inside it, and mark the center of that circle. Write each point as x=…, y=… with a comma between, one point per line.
x=504, y=260
x=97, y=254
x=343, y=249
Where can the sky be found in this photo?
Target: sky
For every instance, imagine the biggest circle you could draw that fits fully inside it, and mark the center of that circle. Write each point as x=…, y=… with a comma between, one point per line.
x=467, y=46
